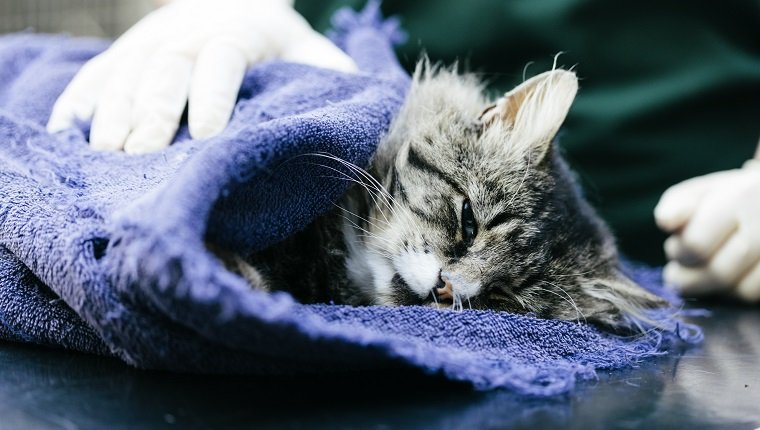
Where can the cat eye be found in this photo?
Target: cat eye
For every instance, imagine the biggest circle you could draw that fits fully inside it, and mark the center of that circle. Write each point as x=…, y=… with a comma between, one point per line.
x=469, y=226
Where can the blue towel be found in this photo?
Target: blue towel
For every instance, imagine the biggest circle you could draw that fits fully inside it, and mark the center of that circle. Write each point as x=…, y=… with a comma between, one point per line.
x=104, y=252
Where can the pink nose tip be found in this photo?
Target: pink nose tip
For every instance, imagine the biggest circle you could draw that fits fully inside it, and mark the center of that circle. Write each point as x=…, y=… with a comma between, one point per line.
x=444, y=290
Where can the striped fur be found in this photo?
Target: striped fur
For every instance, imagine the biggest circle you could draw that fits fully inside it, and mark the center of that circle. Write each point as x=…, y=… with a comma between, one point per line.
x=397, y=237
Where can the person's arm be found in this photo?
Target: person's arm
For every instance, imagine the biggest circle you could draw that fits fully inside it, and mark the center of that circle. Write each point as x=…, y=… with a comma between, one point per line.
x=715, y=225
x=188, y=52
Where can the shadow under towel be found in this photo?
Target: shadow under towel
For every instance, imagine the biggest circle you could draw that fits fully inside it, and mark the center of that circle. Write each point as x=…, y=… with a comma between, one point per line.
x=105, y=252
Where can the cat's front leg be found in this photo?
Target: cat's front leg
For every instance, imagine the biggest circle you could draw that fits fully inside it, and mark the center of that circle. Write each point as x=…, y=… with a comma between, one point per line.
x=238, y=265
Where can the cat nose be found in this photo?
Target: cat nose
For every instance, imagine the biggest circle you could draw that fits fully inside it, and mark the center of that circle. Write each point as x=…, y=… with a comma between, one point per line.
x=444, y=289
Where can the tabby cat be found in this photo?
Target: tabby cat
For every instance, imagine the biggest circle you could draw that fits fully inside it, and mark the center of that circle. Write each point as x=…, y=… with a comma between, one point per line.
x=466, y=204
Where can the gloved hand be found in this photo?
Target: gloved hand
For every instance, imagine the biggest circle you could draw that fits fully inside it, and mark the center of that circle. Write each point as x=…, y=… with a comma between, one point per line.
x=190, y=51
x=715, y=221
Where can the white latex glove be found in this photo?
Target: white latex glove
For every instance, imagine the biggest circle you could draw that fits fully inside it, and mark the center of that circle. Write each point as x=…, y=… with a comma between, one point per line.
x=715, y=221
x=192, y=52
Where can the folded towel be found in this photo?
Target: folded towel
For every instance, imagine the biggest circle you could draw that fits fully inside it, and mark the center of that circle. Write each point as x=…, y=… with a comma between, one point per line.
x=104, y=252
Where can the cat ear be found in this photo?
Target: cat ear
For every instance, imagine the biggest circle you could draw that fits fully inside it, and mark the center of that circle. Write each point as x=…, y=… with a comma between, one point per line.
x=534, y=111
x=617, y=303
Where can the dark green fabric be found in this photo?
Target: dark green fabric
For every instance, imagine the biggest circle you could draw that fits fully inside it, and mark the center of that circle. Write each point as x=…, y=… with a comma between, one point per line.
x=669, y=89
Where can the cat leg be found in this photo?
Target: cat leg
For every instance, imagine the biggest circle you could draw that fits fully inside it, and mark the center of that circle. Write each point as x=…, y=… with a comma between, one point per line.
x=249, y=273
x=239, y=266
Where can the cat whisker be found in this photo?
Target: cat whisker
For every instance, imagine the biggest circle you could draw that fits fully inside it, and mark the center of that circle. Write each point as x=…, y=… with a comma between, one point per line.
x=385, y=220
x=359, y=217
x=388, y=200
x=369, y=233
x=377, y=249
x=343, y=176
x=574, y=275
x=371, y=192
x=352, y=166
x=568, y=298
x=376, y=191
x=372, y=236
x=380, y=254
x=371, y=188
x=435, y=299
x=521, y=301
x=456, y=302
x=374, y=183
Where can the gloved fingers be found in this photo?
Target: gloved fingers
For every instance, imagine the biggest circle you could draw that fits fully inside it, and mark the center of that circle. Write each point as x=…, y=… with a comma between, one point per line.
x=734, y=259
x=718, y=276
x=84, y=94
x=749, y=287
x=676, y=250
x=679, y=202
x=216, y=80
x=160, y=100
x=672, y=247
x=710, y=226
x=691, y=281
x=316, y=50
x=77, y=102
x=111, y=122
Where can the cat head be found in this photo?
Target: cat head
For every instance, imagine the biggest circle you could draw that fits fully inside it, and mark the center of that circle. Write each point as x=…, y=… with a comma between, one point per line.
x=484, y=213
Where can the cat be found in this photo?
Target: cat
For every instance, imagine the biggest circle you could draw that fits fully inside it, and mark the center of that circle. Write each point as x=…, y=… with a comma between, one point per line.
x=466, y=204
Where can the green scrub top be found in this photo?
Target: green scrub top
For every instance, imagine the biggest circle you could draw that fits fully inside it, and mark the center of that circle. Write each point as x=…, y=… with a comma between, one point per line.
x=669, y=89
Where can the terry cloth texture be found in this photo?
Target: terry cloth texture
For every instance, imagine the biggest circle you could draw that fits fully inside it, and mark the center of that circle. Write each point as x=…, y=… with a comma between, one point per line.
x=104, y=252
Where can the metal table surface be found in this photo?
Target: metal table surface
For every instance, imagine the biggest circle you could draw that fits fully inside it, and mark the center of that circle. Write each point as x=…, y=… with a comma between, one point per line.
x=715, y=385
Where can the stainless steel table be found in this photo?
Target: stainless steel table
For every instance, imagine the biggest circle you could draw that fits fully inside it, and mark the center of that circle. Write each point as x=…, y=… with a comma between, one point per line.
x=716, y=385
